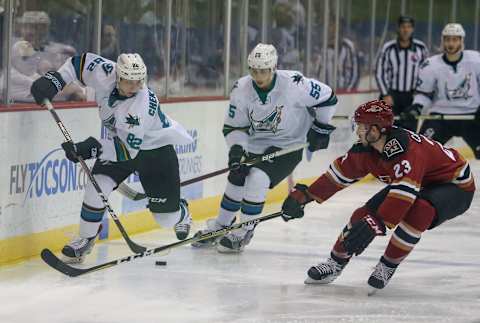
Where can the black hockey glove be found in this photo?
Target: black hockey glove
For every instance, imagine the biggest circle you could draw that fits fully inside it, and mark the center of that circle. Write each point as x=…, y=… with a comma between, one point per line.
x=89, y=148
x=411, y=113
x=235, y=156
x=361, y=234
x=238, y=172
x=47, y=86
x=319, y=135
x=293, y=205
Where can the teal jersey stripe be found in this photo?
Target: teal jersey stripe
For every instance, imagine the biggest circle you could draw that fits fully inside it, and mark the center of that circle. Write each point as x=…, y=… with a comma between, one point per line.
x=121, y=150
x=78, y=63
x=332, y=100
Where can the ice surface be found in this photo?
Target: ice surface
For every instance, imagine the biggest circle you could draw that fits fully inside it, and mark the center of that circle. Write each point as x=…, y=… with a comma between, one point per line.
x=438, y=282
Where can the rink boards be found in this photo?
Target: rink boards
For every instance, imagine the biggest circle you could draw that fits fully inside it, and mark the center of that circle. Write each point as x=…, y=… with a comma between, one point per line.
x=41, y=191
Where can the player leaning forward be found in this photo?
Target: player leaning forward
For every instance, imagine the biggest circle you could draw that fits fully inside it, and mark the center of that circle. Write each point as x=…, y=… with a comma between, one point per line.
x=140, y=139
x=269, y=110
x=427, y=184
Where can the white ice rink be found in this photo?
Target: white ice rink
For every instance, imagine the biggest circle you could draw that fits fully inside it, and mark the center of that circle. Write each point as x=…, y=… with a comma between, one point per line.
x=438, y=282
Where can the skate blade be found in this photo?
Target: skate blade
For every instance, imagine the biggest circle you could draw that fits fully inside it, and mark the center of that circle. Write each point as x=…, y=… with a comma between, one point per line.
x=203, y=245
x=311, y=281
x=73, y=261
x=222, y=249
x=181, y=235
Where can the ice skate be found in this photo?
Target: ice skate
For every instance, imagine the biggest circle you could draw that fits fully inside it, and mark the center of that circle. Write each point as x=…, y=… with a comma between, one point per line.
x=77, y=249
x=235, y=241
x=212, y=225
x=380, y=277
x=326, y=272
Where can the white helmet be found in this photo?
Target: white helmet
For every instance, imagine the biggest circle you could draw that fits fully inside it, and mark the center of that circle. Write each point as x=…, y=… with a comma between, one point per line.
x=453, y=29
x=263, y=56
x=131, y=67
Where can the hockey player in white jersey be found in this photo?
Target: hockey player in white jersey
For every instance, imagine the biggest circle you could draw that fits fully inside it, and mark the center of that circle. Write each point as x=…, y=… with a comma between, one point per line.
x=269, y=110
x=449, y=84
x=140, y=139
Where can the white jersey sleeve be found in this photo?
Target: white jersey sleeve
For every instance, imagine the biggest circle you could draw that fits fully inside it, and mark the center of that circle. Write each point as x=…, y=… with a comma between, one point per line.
x=237, y=123
x=319, y=99
x=426, y=84
x=89, y=69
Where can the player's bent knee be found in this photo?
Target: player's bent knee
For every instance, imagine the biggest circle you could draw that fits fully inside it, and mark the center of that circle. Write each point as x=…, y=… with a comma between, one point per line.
x=256, y=185
x=163, y=205
x=91, y=197
x=167, y=219
x=420, y=215
x=237, y=178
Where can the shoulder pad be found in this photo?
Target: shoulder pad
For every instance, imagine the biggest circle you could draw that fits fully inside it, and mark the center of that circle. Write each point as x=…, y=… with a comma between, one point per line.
x=396, y=144
x=235, y=86
x=359, y=148
x=425, y=63
x=297, y=78
x=241, y=83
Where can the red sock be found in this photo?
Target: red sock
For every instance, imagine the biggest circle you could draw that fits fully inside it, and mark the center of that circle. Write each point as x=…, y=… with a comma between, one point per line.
x=408, y=232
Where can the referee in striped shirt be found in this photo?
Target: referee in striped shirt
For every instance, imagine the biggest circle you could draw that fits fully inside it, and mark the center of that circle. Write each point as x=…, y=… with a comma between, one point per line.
x=397, y=68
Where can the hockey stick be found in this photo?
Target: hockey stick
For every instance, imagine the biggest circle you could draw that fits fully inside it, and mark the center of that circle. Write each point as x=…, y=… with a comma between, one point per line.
x=57, y=264
x=133, y=246
x=132, y=194
x=426, y=117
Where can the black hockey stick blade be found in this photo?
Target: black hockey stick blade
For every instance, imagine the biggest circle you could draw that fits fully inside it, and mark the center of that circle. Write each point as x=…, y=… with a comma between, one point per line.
x=136, y=248
x=53, y=261
x=56, y=263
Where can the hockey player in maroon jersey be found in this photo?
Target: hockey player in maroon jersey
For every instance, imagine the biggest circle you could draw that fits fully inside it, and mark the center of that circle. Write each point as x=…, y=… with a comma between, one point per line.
x=427, y=184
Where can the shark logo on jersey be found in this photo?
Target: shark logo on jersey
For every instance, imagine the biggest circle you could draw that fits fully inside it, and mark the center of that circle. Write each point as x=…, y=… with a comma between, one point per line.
x=132, y=121
x=297, y=78
x=235, y=86
x=425, y=64
x=461, y=91
x=269, y=123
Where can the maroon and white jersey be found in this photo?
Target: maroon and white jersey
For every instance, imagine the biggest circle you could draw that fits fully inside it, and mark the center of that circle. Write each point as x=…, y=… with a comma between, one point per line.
x=408, y=163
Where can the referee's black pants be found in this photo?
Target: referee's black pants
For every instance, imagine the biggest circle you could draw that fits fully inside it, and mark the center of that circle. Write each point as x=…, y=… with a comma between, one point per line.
x=402, y=100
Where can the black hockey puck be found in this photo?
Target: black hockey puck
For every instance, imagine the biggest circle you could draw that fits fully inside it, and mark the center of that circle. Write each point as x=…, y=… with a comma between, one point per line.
x=160, y=263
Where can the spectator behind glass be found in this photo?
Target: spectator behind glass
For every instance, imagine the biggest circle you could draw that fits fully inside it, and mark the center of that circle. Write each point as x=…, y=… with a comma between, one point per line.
x=289, y=21
x=34, y=55
x=347, y=59
x=110, y=47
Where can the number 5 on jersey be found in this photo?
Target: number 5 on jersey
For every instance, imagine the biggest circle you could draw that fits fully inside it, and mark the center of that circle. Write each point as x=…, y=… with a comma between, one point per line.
x=231, y=111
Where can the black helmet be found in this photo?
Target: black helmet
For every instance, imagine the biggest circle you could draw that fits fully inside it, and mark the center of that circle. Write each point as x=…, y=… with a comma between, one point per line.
x=404, y=19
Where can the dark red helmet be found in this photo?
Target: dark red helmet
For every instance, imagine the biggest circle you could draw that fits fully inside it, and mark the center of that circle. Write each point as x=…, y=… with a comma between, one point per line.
x=376, y=112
